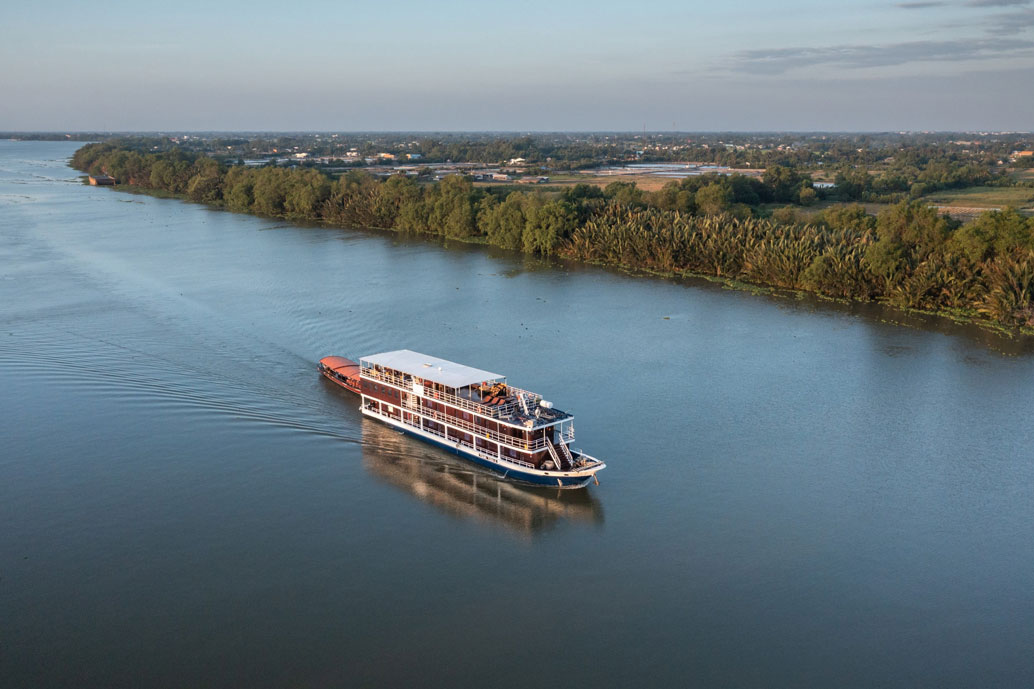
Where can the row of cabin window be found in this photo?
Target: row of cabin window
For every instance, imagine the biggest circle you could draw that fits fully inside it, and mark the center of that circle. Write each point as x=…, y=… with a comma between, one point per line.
x=466, y=416
x=390, y=392
x=441, y=428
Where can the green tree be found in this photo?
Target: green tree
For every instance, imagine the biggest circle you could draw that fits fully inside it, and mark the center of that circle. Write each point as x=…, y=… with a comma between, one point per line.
x=673, y=197
x=549, y=226
x=785, y=183
x=507, y=221
x=206, y=186
x=353, y=200
x=238, y=189
x=625, y=194
x=996, y=233
x=270, y=190
x=915, y=225
x=307, y=192
x=400, y=205
x=786, y=215
x=713, y=199
x=908, y=234
x=452, y=205
x=853, y=217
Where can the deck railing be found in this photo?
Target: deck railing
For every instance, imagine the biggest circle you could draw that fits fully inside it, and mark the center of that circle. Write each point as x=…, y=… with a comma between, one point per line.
x=476, y=406
x=398, y=381
x=567, y=435
x=479, y=450
x=482, y=432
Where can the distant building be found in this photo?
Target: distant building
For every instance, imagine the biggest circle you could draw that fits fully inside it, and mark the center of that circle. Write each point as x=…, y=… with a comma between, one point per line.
x=101, y=180
x=1016, y=155
x=516, y=161
x=414, y=156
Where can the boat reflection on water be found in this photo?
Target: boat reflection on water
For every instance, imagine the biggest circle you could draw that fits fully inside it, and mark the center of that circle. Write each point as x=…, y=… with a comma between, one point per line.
x=457, y=488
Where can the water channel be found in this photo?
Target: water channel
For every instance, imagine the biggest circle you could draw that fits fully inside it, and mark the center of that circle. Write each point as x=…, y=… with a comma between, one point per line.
x=798, y=494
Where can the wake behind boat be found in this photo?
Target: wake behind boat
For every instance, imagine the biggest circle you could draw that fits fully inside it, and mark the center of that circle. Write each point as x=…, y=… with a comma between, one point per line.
x=471, y=412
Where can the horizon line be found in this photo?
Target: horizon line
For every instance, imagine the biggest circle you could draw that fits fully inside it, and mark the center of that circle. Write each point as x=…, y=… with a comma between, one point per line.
x=513, y=131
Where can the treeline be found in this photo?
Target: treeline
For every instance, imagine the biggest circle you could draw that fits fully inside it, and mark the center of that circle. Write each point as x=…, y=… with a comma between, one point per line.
x=905, y=180
x=909, y=256
x=893, y=155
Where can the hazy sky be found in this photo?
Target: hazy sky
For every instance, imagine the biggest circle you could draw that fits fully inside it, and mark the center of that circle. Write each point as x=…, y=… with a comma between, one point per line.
x=558, y=65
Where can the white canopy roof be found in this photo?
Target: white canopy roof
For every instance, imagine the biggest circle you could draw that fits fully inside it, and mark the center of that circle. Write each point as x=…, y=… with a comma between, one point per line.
x=432, y=368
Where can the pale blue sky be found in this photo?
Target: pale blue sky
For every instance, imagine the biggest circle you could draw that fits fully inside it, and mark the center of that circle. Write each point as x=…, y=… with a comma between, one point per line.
x=560, y=65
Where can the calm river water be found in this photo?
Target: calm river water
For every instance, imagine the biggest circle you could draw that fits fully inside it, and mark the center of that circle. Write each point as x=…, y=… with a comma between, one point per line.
x=798, y=495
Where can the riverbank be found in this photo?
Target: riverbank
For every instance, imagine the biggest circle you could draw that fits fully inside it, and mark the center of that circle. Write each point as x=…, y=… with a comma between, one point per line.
x=910, y=258
x=889, y=313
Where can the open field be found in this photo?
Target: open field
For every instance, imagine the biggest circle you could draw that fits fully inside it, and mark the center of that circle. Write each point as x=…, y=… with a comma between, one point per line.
x=805, y=212
x=984, y=197
x=644, y=182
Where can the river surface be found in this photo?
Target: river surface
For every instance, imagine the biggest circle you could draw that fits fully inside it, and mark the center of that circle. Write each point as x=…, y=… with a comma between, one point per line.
x=797, y=494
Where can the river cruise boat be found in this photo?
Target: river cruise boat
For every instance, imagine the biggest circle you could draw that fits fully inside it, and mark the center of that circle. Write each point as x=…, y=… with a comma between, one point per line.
x=471, y=412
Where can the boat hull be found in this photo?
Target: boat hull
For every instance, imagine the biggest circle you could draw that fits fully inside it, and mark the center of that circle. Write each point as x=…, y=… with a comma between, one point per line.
x=344, y=384
x=553, y=479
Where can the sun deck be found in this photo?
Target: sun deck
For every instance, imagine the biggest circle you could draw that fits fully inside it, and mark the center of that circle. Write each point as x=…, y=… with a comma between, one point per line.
x=441, y=371
x=468, y=388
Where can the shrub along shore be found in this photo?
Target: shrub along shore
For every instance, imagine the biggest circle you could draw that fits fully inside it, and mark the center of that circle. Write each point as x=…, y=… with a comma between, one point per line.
x=909, y=256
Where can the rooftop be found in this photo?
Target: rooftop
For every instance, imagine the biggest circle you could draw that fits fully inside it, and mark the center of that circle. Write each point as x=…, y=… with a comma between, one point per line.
x=447, y=373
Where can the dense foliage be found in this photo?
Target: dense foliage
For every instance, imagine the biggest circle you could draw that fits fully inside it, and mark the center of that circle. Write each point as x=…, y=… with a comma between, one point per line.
x=910, y=256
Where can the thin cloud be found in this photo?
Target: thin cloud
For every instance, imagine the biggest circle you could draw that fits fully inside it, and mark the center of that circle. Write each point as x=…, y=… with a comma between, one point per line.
x=1001, y=23
x=927, y=4
x=782, y=60
x=997, y=3
x=1011, y=23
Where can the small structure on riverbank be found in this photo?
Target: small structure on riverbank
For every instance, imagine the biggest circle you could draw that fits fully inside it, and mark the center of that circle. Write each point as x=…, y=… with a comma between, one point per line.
x=101, y=180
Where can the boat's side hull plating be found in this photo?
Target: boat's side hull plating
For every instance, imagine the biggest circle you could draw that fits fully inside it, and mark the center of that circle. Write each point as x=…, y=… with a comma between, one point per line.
x=555, y=479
